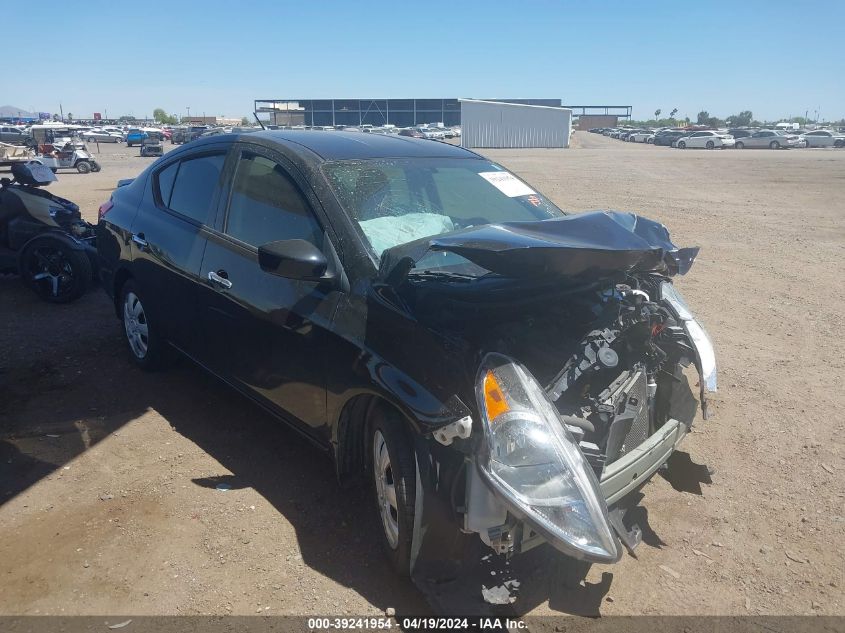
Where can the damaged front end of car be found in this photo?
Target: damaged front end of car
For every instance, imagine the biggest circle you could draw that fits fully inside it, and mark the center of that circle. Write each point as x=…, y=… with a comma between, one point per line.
x=581, y=390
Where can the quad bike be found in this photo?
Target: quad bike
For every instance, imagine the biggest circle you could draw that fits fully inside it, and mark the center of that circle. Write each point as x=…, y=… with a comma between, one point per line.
x=43, y=237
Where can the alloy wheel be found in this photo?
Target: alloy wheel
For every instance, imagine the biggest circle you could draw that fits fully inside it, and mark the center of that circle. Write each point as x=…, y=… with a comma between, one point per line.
x=52, y=271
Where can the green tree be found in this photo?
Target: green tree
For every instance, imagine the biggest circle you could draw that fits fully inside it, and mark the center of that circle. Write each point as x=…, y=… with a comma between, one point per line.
x=673, y=113
x=244, y=121
x=703, y=117
x=743, y=119
x=162, y=117
x=657, y=113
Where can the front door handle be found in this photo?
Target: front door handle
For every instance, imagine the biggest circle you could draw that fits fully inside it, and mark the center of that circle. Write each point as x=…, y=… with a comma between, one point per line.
x=139, y=240
x=219, y=279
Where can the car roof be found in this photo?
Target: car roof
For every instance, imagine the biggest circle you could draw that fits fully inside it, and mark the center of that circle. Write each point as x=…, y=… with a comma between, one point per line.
x=336, y=145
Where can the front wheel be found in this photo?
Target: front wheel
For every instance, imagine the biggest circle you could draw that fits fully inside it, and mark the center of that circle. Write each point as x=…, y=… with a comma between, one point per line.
x=394, y=488
x=774, y=145
x=54, y=271
x=682, y=145
x=95, y=166
x=739, y=145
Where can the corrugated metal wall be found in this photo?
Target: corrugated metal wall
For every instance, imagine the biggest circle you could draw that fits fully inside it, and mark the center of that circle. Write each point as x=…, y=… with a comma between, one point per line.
x=494, y=124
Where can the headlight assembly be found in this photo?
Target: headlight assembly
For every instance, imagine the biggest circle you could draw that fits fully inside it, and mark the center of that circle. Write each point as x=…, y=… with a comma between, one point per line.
x=532, y=460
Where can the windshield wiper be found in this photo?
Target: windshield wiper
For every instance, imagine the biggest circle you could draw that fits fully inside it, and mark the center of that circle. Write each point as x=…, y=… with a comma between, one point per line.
x=441, y=275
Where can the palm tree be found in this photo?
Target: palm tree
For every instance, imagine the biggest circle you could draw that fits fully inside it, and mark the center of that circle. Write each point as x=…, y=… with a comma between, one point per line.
x=657, y=113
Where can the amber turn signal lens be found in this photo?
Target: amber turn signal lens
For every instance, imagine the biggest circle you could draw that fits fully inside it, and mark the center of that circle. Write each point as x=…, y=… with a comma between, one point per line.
x=494, y=398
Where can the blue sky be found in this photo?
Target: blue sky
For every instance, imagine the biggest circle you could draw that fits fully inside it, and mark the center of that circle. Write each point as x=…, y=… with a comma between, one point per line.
x=775, y=58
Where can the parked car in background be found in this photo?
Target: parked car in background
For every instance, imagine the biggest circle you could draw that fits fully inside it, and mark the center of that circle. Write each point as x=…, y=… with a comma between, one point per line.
x=412, y=132
x=135, y=136
x=668, y=137
x=740, y=133
x=770, y=139
x=425, y=317
x=706, y=139
x=12, y=135
x=186, y=134
x=824, y=138
x=642, y=136
x=102, y=136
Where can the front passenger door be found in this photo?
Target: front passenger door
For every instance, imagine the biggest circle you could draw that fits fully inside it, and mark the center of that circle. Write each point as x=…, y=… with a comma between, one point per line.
x=266, y=334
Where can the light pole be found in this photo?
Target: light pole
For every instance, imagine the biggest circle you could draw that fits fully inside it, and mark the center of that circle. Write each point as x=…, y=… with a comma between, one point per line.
x=189, y=111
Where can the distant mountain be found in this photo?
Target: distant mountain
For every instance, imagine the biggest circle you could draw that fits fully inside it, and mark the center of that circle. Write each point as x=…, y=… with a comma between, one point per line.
x=12, y=111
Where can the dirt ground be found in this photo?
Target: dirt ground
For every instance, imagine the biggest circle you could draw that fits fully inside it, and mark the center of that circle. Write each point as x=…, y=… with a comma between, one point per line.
x=108, y=475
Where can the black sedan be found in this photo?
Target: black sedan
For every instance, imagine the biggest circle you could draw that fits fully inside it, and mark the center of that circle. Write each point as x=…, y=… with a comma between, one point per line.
x=493, y=367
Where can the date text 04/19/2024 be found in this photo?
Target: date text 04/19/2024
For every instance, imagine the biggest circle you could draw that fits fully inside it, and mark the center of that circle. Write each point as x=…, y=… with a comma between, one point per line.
x=416, y=623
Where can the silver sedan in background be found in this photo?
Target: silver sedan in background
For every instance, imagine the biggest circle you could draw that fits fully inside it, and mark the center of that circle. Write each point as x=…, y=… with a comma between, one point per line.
x=102, y=136
x=771, y=139
x=824, y=138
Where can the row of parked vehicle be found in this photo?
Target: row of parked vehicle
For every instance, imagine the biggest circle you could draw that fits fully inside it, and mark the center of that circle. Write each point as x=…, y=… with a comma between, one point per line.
x=738, y=138
x=428, y=131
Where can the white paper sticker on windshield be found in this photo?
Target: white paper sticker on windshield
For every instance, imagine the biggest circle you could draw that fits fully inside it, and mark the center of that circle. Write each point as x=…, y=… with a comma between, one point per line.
x=507, y=183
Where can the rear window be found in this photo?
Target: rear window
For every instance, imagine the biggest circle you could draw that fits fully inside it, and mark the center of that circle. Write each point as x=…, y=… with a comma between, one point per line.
x=194, y=186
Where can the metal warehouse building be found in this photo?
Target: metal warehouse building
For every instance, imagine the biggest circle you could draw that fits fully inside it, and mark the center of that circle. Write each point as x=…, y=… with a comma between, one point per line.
x=376, y=112
x=498, y=124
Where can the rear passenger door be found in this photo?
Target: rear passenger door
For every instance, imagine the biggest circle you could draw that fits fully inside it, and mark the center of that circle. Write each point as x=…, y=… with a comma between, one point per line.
x=169, y=237
x=266, y=334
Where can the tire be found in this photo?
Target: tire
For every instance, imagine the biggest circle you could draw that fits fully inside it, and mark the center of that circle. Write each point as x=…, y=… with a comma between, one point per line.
x=839, y=143
x=649, y=141
x=739, y=145
x=393, y=473
x=54, y=271
x=91, y=140
x=774, y=145
x=83, y=167
x=95, y=167
x=146, y=348
x=710, y=145
x=682, y=145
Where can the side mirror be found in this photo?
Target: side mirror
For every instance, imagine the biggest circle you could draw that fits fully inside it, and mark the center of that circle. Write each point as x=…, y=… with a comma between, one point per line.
x=294, y=259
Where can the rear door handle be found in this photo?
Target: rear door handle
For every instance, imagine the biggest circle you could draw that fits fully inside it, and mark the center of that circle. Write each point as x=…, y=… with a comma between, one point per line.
x=139, y=240
x=220, y=280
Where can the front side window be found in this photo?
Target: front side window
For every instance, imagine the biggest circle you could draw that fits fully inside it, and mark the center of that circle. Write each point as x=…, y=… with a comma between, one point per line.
x=266, y=205
x=395, y=201
x=194, y=186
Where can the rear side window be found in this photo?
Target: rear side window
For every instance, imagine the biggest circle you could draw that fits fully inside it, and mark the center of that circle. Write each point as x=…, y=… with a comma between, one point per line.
x=194, y=186
x=166, y=177
x=266, y=205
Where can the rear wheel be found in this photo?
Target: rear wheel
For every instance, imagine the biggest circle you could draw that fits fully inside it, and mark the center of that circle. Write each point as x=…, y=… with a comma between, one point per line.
x=394, y=487
x=774, y=145
x=146, y=347
x=83, y=167
x=56, y=272
x=710, y=145
x=739, y=145
x=682, y=145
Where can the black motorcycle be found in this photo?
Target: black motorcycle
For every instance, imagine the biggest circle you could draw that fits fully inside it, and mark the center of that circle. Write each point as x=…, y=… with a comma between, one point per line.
x=43, y=237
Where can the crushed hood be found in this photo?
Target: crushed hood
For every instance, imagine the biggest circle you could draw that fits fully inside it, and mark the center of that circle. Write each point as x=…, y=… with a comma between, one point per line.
x=583, y=247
